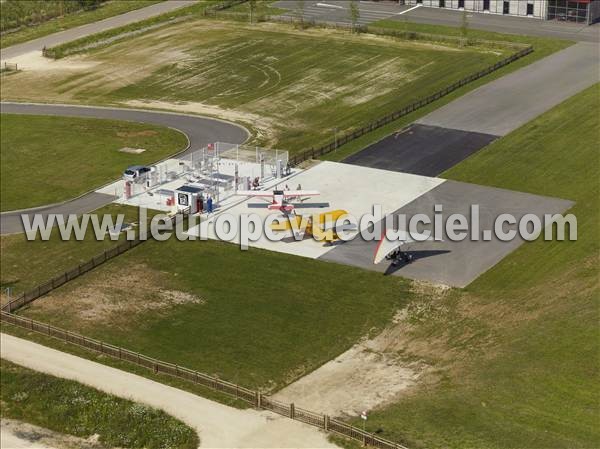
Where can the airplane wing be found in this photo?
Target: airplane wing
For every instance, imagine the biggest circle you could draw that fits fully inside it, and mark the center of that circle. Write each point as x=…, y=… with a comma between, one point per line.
x=286, y=224
x=292, y=193
x=259, y=193
x=328, y=220
x=386, y=246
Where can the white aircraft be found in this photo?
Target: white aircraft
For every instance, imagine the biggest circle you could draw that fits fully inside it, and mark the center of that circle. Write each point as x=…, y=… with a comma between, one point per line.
x=392, y=249
x=279, y=199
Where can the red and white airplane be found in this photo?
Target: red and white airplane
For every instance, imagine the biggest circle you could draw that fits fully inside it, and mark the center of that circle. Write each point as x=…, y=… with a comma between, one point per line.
x=279, y=199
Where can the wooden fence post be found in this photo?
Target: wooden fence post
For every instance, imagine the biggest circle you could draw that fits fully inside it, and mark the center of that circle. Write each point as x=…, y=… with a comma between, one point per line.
x=292, y=411
x=326, y=423
x=258, y=400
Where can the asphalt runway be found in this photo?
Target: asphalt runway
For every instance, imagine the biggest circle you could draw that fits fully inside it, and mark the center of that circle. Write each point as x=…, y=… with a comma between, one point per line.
x=338, y=11
x=453, y=263
x=91, y=28
x=199, y=131
x=421, y=150
x=505, y=104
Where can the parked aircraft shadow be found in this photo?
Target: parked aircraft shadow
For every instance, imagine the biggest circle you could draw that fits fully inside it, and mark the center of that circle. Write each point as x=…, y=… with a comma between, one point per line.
x=416, y=255
x=291, y=239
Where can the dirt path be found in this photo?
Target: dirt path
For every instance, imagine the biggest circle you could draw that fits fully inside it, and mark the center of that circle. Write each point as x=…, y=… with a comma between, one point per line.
x=368, y=375
x=217, y=425
x=17, y=434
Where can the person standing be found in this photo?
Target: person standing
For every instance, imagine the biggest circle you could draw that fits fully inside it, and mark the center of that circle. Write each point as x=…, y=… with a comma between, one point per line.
x=209, y=204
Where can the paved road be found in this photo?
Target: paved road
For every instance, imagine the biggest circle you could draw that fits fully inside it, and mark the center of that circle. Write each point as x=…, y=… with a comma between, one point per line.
x=507, y=103
x=199, y=130
x=506, y=24
x=337, y=11
x=217, y=425
x=91, y=28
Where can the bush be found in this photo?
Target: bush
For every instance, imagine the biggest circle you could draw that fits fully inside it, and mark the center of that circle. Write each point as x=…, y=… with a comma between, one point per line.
x=18, y=13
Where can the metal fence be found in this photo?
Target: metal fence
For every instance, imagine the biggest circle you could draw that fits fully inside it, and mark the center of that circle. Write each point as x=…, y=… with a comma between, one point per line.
x=313, y=153
x=251, y=397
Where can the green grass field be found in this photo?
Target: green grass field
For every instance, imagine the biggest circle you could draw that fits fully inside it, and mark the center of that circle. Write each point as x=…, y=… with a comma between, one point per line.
x=68, y=407
x=26, y=20
x=281, y=82
x=72, y=155
x=25, y=264
x=257, y=318
x=518, y=350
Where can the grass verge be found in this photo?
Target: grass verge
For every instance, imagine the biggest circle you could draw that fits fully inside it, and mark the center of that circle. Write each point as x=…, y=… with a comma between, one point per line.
x=108, y=37
x=69, y=407
x=72, y=155
x=70, y=20
x=123, y=365
x=517, y=352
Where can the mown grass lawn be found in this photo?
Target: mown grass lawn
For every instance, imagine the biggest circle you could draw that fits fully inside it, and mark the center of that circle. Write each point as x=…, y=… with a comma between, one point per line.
x=71, y=408
x=47, y=159
x=294, y=88
x=258, y=318
x=522, y=357
x=15, y=9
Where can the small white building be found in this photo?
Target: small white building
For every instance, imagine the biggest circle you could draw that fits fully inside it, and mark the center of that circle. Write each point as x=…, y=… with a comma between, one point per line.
x=189, y=198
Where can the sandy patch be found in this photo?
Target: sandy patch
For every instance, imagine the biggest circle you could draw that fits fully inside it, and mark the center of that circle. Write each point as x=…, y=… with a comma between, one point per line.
x=17, y=434
x=130, y=150
x=375, y=371
x=368, y=375
x=117, y=296
x=34, y=61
